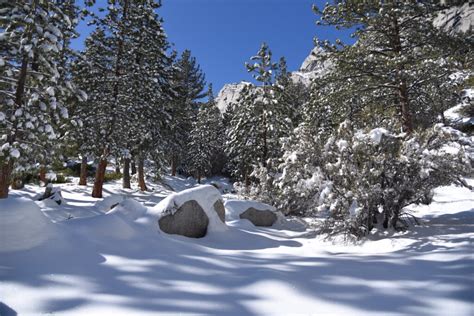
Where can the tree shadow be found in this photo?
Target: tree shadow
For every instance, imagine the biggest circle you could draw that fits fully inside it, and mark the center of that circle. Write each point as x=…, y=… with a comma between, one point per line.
x=6, y=310
x=222, y=274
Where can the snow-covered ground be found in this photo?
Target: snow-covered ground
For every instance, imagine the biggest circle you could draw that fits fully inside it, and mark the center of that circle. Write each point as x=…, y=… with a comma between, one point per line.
x=88, y=262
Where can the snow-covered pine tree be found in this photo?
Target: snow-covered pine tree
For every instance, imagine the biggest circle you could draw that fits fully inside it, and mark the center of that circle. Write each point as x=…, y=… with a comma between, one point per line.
x=128, y=66
x=372, y=176
x=90, y=72
x=205, y=140
x=149, y=85
x=263, y=70
x=399, y=56
x=291, y=98
x=242, y=135
x=259, y=121
x=33, y=40
x=188, y=82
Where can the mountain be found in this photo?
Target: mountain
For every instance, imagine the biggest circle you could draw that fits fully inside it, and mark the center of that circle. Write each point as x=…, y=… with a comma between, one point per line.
x=311, y=68
x=229, y=94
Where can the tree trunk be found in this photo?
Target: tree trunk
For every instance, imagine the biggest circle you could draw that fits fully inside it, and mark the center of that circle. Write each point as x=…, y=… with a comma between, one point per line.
x=83, y=175
x=265, y=145
x=126, y=173
x=199, y=177
x=100, y=175
x=407, y=121
x=403, y=98
x=133, y=166
x=5, y=178
x=42, y=175
x=141, y=175
x=174, y=165
x=117, y=165
x=247, y=181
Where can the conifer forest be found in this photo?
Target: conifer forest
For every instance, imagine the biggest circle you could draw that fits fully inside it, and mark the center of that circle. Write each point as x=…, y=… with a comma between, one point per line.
x=131, y=185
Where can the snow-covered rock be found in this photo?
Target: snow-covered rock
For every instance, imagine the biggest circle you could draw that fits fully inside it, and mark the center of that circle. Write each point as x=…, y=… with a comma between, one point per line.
x=192, y=213
x=129, y=209
x=109, y=202
x=22, y=225
x=260, y=214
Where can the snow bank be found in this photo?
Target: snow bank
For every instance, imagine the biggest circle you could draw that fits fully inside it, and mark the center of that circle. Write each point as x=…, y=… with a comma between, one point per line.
x=129, y=209
x=106, y=204
x=204, y=195
x=22, y=225
x=110, y=226
x=236, y=207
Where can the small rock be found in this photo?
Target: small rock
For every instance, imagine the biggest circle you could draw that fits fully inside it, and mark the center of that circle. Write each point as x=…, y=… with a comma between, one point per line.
x=259, y=217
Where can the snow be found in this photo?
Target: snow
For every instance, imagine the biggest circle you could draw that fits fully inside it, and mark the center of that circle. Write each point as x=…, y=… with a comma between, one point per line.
x=204, y=195
x=110, y=264
x=107, y=203
x=229, y=94
x=236, y=207
x=376, y=134
x=23, y=226
x=129, y=209
x=15, y=153
x=457, y=19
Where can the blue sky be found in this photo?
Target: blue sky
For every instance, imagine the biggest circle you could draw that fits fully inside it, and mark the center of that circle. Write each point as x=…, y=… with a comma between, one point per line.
x=224, y=34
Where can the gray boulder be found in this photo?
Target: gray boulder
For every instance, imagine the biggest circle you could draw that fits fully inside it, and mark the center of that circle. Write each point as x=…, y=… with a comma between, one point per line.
x=259, y=217
x=189, y=220
x=220, y=210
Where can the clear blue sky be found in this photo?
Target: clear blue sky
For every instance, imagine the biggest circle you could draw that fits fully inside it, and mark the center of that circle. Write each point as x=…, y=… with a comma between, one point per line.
x=224, y=34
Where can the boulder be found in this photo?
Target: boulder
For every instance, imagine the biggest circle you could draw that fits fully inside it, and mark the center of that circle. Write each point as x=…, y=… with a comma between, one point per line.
x=192, y=213
x=189, y=220
x=220, y=210
x=259, y=217
x=259, y=214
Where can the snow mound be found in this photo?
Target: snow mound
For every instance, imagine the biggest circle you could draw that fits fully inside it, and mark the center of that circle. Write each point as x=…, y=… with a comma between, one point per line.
x=205, y=195
x=129, y=209
x=111, y=226
x=109, y=202
x=236, y=207
x=22, y=225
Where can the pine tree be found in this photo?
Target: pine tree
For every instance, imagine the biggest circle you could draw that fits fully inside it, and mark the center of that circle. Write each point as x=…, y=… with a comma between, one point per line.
x=261, y=118
x=188, y=82
x=398, y=57
x=291, y=98
x=33, y=40
x=127, y=84
x=242, y=135
x=205, y=138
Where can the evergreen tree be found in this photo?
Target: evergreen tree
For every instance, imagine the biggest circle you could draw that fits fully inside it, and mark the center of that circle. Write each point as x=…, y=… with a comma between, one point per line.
x=399, y=56
x=242, y=135
x=188, y=82
x=33, y=41
x=205, y=138
x=128, y=82
x=261, y=118
x=291, y=98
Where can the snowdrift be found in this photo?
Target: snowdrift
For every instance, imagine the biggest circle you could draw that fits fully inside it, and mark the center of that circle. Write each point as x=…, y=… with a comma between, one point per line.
x=23, y=225
x=129, y=209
